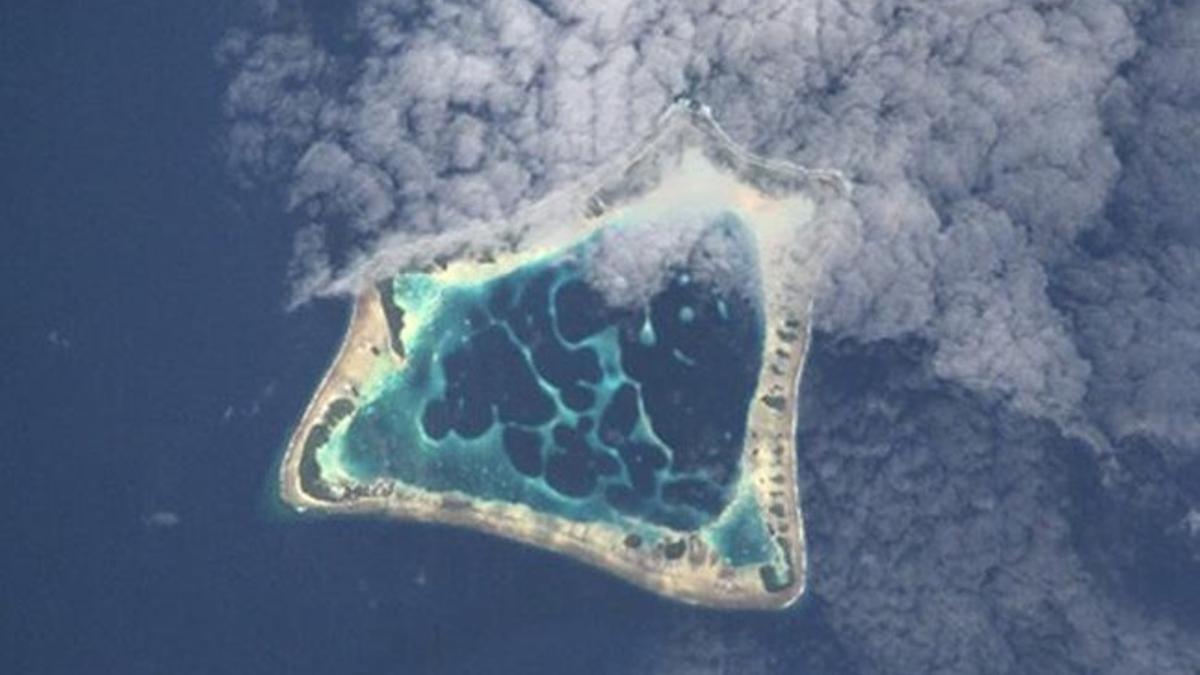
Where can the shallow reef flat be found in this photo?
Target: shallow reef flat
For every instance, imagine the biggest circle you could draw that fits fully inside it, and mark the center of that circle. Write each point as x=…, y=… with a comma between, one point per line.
x=611, y=375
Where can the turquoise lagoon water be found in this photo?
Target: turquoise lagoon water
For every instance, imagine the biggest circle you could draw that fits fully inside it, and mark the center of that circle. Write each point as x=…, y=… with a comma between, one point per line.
x=529, y=388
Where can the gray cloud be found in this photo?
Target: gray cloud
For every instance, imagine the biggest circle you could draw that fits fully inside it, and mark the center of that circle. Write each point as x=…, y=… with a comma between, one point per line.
x=1025, y=208
x=954, y=535
x=971, y=130
x=632, y=263
x=1132, y=288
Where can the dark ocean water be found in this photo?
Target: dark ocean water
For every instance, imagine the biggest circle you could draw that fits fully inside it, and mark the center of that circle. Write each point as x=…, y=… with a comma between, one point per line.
x=150, y=377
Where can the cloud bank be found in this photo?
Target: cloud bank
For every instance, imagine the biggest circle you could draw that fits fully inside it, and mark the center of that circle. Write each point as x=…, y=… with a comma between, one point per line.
x=973, y=133
x=1024, y=205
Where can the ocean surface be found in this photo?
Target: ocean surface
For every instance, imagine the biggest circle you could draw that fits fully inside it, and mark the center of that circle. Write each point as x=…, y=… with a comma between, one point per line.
x=151, y=376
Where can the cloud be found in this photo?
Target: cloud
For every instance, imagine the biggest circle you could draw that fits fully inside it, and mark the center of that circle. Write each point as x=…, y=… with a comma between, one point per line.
x=1131, y=287
x=58, y=340
x=997, y=330
x=632, y=263
x=953, y=535
x=359, y=191
x=1024, y=210
x=959, y=116
x=273, y=100
x=161, y=520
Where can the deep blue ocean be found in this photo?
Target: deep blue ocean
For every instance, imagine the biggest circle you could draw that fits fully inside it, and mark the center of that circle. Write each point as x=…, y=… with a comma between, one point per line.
x=150, y=378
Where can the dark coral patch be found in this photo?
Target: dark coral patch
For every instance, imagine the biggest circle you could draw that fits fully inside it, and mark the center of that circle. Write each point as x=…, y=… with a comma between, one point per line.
x=436, y=419
x=488, y=370
x=578, y=397
x=524, y=450
x=534, y=345
x=620, y=415
x=698, y=404
x=569, y=474
x=701, y=495
x=580, y=311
